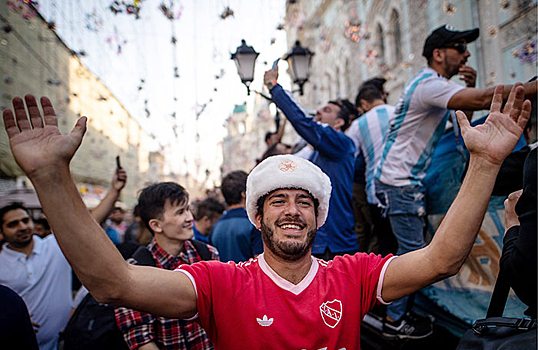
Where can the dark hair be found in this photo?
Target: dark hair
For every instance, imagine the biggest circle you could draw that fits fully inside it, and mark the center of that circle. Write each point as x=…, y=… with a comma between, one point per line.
x=43, y=222
x=369, y=93
x=233, y=185
x=272, y=151
x=10, y=207
x=268, y=135
x=152, y=199
x=209, y=207
x=343, y=114
x=378, y=82
x=261, y=200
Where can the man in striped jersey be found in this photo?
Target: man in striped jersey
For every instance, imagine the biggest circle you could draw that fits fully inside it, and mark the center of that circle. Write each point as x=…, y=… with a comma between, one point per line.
x=368, y=133
x=420, y=121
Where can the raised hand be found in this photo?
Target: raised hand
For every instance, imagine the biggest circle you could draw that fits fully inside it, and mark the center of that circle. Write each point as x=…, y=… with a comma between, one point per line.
x=119, y=179
x=496, y=138
x=40, y=148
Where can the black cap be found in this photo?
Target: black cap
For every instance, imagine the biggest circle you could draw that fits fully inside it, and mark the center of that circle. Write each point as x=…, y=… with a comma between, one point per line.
x=447, y=34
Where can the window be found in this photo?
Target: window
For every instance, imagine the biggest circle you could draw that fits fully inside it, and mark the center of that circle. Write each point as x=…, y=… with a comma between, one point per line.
x=396, y=36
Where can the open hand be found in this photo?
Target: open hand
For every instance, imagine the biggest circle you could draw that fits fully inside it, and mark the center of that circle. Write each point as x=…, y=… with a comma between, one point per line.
x=496, y=138
x=36, y=143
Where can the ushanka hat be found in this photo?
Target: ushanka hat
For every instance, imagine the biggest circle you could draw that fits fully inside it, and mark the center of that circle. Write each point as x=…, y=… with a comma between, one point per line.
x=287, y=171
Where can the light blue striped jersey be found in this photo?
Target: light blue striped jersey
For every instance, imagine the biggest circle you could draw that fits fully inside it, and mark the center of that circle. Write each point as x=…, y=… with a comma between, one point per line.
x=419, y=122
x=369, y=132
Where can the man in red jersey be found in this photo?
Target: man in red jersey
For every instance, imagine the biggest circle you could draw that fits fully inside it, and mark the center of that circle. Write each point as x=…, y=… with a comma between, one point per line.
x=284, y=299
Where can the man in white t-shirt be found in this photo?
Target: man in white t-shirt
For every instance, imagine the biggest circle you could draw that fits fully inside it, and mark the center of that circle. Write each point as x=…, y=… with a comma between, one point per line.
x=317, y=303
x=421, y=115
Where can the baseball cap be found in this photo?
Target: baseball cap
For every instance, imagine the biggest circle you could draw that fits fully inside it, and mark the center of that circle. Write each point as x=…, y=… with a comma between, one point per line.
x=446, y=34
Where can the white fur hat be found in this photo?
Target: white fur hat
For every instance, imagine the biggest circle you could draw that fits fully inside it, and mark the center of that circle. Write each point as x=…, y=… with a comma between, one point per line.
x=287, y=171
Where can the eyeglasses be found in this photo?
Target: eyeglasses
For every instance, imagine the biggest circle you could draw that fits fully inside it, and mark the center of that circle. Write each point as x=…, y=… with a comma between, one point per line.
x=460, y=47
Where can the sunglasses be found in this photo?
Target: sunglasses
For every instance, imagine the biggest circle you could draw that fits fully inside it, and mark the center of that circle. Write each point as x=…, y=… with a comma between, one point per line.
x=460, y=47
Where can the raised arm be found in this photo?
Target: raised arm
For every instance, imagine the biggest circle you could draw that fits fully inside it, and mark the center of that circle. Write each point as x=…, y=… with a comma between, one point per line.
x=44, y=155
x=477, y=99
x=488, y=145
x=104, y=208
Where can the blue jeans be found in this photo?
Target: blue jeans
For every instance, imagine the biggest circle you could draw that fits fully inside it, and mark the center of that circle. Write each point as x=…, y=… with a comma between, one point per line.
x=405, y=206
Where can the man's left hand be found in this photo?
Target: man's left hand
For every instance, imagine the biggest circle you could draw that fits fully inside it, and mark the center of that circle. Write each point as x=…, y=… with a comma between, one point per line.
x=119, y=179
x=497, y=137
x=468, y=75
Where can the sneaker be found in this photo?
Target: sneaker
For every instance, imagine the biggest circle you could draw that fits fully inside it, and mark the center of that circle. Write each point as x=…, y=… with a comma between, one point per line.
x=408, y=327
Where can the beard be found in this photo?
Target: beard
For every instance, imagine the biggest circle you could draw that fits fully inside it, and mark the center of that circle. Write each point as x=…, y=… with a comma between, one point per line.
x=289, y=251
x=19, y=243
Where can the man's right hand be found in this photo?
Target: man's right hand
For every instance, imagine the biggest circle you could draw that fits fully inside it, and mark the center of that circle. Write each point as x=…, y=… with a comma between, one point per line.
x=270, y=77
x=40, y=148
x=510, y=215
x=119, y=179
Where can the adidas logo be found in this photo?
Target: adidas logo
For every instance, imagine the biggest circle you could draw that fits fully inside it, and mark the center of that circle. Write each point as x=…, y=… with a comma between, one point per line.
x=264, y=322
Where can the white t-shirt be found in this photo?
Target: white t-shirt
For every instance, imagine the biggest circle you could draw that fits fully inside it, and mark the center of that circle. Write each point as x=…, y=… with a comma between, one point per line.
x=419, y=123
x=44, y=283
x=369, y=132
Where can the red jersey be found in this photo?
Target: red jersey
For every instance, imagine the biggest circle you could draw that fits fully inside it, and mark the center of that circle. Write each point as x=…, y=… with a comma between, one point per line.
x=248, y=306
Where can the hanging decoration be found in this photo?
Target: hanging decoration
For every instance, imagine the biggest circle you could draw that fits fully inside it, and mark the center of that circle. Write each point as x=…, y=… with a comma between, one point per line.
x=169, y=12
x=228, y=12
x=526, y=53
x=129, y=7
x=505, y=4
x=115, y=42
x=25, y=8
x=356, y=31
x=493, y=31
x=449, y=8
x=369, y=56
x=280, y=26
x=93, y=22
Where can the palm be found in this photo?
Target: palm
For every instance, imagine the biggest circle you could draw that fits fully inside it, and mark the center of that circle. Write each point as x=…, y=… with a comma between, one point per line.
x=496, y=138
x=38, y=146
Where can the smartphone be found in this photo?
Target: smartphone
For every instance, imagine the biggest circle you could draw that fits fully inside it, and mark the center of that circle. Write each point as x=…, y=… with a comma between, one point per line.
x=118, y=164
x=275, y=64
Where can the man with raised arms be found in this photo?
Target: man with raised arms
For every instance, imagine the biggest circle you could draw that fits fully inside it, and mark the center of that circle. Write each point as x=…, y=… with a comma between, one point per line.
x=285, y=298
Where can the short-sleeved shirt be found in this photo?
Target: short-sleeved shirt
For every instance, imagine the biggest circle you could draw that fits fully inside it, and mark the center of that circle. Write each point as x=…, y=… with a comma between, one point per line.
x=139, y=328
x=44, y=283
x=420, y=121
x=248, y=306
x=369, y=132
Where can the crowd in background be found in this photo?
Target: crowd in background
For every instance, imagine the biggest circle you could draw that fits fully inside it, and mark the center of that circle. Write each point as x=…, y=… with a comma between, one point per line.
x=376, y=156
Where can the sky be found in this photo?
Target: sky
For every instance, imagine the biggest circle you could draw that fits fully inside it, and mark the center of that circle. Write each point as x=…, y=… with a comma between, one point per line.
x=137, y=61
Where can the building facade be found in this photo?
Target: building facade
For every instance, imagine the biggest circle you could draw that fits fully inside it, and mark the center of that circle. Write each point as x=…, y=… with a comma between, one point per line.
x=34, y=60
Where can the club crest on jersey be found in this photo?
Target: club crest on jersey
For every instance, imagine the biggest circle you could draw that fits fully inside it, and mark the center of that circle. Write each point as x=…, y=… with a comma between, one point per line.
x=331, y=312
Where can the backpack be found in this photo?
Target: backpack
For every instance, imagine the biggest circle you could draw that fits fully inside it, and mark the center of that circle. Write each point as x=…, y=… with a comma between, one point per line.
x=93, y=324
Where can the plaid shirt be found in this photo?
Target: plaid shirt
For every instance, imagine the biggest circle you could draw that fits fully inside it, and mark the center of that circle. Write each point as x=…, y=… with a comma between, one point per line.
x=139, y=328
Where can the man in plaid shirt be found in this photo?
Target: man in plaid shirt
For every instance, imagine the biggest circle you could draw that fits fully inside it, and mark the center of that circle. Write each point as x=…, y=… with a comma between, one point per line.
x=164, y=209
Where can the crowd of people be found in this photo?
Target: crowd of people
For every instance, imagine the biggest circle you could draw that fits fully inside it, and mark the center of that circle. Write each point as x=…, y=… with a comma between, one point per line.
x=291, y=236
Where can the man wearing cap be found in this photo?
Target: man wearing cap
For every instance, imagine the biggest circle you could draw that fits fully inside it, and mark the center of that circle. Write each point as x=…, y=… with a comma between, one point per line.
x=334, y=154
x=420, y=120
x=285, y=298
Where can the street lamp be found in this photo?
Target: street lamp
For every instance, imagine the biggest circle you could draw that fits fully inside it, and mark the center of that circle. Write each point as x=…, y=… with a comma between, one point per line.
x=299, y=59
x=245, y=59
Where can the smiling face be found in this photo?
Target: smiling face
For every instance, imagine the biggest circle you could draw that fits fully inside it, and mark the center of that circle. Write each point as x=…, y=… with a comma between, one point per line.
x=175, y=223
x=17, y=228
x=288, y=223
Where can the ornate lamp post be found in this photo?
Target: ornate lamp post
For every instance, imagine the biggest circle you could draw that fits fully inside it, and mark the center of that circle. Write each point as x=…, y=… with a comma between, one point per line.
x=245, y=60
x=299, y=59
